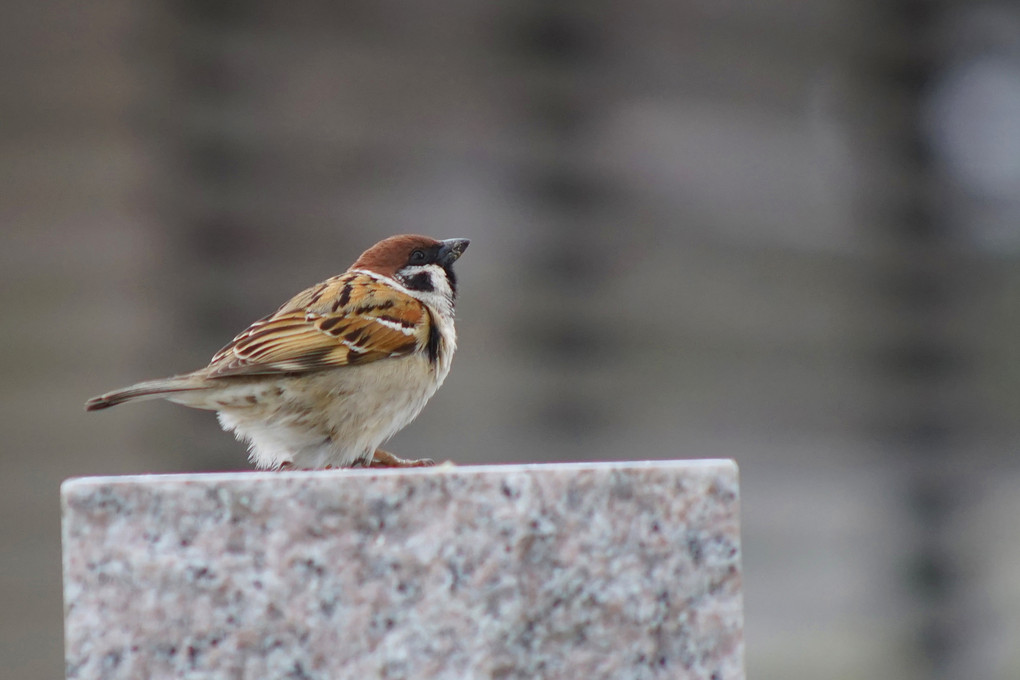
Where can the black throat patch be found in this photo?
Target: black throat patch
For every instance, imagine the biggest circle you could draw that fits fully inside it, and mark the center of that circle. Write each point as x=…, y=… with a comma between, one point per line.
x=435, y=340
x=452, y=278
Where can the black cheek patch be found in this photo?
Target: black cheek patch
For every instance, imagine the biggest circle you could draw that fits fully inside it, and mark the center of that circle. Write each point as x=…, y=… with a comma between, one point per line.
x=422, y=282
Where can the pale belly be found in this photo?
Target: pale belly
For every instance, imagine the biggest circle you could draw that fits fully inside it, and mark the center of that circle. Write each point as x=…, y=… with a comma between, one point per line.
x=334, y=418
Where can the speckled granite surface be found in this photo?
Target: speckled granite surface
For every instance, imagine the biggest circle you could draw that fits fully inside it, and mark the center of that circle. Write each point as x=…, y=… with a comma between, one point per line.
x=619, y=570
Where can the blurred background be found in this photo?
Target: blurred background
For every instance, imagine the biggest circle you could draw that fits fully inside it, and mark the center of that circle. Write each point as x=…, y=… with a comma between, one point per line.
x=778, y=231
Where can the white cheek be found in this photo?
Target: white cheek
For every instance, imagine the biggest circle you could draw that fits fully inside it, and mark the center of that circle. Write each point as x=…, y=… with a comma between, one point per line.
x=441, y=295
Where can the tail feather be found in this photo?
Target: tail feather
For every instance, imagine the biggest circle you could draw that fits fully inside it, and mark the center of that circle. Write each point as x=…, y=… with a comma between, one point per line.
x=150, y=389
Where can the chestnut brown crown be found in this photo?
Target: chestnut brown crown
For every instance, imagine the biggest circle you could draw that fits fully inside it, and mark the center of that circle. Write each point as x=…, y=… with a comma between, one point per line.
x=396, y=252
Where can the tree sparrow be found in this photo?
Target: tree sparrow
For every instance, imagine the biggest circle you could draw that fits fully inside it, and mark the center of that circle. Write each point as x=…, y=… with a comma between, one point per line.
x=337, y=370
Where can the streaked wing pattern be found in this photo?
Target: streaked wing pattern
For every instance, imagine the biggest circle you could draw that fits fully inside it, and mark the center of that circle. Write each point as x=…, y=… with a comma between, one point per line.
x=353, y=318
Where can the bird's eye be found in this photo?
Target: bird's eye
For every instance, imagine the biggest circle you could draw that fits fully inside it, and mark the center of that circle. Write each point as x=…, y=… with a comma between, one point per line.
x=417, y=257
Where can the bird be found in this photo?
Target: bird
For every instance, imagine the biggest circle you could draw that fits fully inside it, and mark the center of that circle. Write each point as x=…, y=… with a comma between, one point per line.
x=338, y=369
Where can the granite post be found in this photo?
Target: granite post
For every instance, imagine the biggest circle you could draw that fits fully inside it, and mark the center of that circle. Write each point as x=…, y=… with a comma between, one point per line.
x=596, y=570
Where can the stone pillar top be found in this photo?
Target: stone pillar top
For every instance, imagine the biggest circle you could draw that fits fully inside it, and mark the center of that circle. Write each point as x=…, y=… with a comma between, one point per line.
x=579, y=570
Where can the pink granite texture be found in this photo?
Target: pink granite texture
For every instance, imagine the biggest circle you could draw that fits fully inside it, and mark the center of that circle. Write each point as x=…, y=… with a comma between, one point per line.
x=613, y=570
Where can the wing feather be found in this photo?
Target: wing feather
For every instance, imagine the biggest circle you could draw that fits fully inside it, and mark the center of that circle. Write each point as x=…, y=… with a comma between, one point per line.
x=354, y=318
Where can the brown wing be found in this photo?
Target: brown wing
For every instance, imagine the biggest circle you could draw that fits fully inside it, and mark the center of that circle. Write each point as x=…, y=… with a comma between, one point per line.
x=349, y=319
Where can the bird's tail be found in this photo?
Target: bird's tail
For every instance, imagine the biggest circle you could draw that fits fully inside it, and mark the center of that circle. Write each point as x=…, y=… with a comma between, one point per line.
x=150, y=389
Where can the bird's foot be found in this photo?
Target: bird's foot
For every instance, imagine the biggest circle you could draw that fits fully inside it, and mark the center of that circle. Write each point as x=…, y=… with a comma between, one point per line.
x=385, y=459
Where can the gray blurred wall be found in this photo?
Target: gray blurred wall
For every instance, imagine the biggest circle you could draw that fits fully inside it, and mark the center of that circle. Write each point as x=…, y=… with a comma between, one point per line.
x=776, y=231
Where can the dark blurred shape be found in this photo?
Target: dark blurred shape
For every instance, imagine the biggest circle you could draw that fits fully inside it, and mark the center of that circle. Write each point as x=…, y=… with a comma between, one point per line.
x=554, y=33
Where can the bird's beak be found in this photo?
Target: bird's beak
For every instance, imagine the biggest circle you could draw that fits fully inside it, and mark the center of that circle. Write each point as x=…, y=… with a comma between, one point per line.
x=452, y=249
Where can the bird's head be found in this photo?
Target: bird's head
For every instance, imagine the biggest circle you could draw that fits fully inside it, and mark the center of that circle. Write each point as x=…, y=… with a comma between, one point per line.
x=420, y=264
